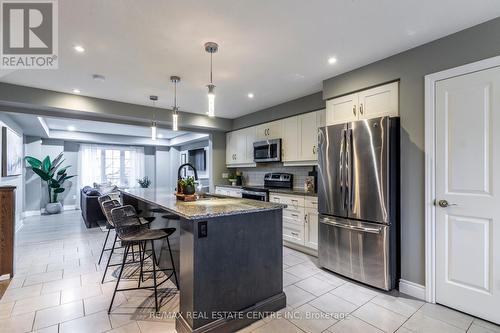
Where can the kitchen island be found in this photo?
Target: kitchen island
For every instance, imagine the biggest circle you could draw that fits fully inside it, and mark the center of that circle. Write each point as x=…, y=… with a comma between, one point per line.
x=230, y=258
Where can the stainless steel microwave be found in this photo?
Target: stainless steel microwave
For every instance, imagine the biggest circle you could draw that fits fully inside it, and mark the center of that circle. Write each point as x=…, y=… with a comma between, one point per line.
x=267, y=151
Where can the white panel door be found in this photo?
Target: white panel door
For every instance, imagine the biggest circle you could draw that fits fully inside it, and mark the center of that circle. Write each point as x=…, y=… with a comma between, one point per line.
x=342, y=109
x=468, y=178
x=379, y=101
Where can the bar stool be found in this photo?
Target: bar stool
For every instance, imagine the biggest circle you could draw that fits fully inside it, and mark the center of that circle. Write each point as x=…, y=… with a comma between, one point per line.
x=130, y=230
x=107, y=206
x=110, y=226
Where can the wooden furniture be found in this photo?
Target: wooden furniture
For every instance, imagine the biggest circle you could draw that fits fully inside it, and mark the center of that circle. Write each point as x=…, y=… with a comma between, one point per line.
x=7, y=227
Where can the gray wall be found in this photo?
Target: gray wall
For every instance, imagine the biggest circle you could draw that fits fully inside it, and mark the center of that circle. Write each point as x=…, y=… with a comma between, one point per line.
x=300, y=105
x=218, y=145
x=410, y=67
x=17, y=181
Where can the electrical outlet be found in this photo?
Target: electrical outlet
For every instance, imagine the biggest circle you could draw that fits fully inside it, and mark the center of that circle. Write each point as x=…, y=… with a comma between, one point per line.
x=225, y=175
x=202, y=229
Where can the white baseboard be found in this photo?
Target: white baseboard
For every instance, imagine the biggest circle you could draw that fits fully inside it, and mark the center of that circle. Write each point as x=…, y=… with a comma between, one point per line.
x=29, y=213
x=412, y=289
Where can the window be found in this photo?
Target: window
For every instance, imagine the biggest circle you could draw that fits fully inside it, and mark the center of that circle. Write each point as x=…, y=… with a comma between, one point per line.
x=117, y=165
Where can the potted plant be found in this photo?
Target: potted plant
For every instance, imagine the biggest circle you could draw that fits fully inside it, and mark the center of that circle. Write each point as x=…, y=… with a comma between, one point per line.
x=54, y=175
x=187, y=186
x=144, y=182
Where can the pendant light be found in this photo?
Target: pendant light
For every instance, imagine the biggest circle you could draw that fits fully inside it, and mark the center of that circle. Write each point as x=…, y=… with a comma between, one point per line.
x=154, y=129
x=211, y=48
x=175, y=109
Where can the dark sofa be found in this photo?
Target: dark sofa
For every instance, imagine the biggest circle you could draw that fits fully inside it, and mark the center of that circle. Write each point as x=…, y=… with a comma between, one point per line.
x=91, y=211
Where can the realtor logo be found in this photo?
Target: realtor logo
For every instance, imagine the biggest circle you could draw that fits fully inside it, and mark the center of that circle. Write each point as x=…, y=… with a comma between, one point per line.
x=29, y=34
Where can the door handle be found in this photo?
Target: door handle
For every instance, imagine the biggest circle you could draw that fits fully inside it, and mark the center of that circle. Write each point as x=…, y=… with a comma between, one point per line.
x=445, y=203
x=352, y=227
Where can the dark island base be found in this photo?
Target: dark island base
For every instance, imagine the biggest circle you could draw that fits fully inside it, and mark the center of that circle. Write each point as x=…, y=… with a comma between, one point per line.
x=230, y=267
x=239, y=320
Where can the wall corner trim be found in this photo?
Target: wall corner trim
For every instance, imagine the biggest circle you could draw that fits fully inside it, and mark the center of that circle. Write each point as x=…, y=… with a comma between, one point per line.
x=412, y=289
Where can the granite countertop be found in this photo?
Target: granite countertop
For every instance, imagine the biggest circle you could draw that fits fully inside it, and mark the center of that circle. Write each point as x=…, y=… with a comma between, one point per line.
x=209, y=206
x=295, y=190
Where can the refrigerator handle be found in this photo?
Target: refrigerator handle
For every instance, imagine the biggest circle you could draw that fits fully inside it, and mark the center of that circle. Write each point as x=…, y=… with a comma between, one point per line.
x=341, y=168
x=350, y=170
x=347, y=199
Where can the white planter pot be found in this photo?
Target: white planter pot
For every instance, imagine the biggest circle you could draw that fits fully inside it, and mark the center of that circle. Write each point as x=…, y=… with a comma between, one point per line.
x=53, y=208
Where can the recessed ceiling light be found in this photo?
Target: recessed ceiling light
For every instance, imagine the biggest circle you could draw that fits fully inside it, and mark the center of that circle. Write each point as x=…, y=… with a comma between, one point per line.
x=160, y=136
x=76, y=91
x=332, y=60
x=79, y=48
x=71, y=128
x=250, y=95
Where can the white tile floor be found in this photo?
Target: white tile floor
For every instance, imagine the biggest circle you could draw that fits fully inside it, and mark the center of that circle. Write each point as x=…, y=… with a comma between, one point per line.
x=57, y=289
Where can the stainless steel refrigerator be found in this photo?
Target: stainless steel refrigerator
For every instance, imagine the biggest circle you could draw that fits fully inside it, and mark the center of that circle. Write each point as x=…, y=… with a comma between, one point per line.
x=358, y=200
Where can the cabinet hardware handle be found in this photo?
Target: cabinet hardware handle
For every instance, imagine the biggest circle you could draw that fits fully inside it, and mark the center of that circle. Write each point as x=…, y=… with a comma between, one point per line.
x=354, y=109
x=361, y=108
x=305, y=218
x=314, y=150
x=294, y=233
x=295, y=215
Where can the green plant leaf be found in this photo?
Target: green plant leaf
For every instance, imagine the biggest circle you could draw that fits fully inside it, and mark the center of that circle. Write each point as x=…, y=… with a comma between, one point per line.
x=33, y=162
x=59, y=190
x=46, y=165
x=57, y=160
x=45, y=176
x=63, y=170
x=54, y=184
x=54, y=167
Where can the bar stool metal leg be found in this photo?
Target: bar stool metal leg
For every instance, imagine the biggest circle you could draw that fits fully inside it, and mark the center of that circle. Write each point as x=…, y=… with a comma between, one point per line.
x=154, y=274
x=125, y=253
x=104, y=245
x=109, y=258
x=173, y=265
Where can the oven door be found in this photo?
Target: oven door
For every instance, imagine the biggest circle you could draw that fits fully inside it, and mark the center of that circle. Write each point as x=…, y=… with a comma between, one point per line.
x=267, y=151
x=255, y=195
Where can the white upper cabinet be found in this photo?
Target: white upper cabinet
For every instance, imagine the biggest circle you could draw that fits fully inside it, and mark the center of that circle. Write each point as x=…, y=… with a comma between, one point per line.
x=379, y=101
x=300, y=138
x=250, y=139
x=371, y=103
x=269, y=131
x=308, y=134
x=239, y=147
x=342, y=109
x=290, y=139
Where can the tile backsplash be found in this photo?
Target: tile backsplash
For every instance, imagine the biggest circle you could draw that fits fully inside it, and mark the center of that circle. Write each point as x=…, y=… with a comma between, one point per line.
x=255, y=176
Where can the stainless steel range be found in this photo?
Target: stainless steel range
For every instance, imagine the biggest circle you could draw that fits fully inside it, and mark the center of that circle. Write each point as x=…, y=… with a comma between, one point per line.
x=271, y=180
x=358, y=200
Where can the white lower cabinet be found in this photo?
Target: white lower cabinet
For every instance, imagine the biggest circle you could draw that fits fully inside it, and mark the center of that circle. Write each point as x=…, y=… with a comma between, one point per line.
x=228, y=191
x=300, y=219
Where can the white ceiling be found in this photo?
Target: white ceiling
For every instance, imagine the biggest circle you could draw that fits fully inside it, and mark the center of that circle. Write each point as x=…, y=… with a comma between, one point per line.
x=276, y=49
x=33, y=127
x=89, y=126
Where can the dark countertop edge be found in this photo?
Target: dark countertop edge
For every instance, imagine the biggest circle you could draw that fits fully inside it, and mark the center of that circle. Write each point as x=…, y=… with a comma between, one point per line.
x=275, y=190
x=200, y=217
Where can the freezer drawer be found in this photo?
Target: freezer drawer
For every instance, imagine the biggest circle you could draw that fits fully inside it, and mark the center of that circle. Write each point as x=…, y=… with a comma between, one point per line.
x=355, y=249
